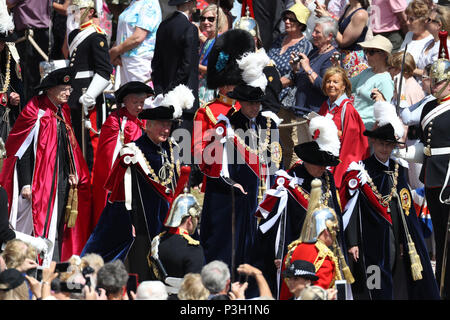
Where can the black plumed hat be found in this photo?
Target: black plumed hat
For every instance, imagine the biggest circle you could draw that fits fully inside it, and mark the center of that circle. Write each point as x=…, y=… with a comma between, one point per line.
x=244, y=92
x=310, y=152
x=132, y=87
x=222, y=66
x=62, y=76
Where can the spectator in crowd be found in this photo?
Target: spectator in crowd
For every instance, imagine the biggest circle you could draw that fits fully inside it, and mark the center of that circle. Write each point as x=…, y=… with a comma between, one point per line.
x=216, y=279
x=31, y=19
x=192, y=288
x=317, y=293
x=176, y=57
x=438, y=19
x=247, y=270
x=308, y=73
x=411, y=115
x=13, y=285
x=46, y=120
x=208, y=35
x=388, y=18
x=418, y=35
x=377, y=77
x=291, y=41
x=151, y=290
x=121, y=127
x=299, y=275
x=89, y=265
x=353, y=28
x=113, y=278
x=135, y=41
x=354, y=145
x=19, y=255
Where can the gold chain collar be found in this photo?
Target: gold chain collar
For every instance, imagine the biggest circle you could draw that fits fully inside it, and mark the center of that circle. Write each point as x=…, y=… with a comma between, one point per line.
x=325, y=196
x=384, y=200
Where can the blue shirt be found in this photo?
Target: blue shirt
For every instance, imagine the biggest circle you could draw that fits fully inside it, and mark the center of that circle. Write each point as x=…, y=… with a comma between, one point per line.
x=145, y=14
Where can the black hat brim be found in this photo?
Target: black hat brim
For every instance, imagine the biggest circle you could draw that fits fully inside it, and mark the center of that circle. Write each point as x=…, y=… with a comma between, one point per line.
x=311, y=153
x=62, y=76
x=384, y=133
x=130, y=88
x=158, y=113
x=290, y=274
x=247, y=93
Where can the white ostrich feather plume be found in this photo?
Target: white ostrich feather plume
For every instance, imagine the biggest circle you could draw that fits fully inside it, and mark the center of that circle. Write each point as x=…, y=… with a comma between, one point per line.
x=6, y=20
x=328, y=139
x=252, y=65
x=385, y=113
x=180, y=98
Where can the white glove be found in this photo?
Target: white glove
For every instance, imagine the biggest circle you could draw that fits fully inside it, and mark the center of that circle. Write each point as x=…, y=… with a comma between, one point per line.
x=96, y=87
x=40, y=244
x=362, y=177
x=413, y=153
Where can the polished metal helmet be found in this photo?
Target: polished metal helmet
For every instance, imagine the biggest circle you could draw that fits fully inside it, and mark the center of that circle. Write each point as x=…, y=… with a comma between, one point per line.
x=440, y=69
x=84, y=3
x=183, y=206
x=46, y=67
x=318, y=216
x=249, y=24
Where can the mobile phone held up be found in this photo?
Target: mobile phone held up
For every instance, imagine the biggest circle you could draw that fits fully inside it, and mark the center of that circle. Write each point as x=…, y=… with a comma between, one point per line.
x=132, y=284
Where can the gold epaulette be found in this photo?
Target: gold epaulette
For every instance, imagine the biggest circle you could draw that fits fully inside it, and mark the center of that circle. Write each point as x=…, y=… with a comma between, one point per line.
x=323, y=252
x=190, y=240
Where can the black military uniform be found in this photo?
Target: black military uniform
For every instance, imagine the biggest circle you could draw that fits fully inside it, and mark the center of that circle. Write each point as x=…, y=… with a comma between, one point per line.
x=89, y=56
x=180, y=253
x=435, y=137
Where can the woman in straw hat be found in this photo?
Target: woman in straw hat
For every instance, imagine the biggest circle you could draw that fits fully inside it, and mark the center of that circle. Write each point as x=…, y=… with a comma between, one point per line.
x=376, y=78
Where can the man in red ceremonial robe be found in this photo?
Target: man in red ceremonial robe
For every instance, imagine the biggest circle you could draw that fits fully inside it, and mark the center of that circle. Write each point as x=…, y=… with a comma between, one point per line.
x=44, y=165
x=121, y=127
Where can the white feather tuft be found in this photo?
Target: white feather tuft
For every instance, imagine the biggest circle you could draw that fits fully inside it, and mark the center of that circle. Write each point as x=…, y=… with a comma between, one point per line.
x=180, y=98
x=252, y=65
x=328, y=139
x=6, y=20
x=385, y=113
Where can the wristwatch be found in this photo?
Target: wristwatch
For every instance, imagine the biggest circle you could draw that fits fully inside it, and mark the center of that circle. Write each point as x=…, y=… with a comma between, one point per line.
x=310, y=72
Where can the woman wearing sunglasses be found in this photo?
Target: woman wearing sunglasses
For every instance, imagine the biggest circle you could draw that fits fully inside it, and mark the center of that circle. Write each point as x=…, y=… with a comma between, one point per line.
x=438, y=19
x=374, y=79
x=207, y=28
x=418, y=35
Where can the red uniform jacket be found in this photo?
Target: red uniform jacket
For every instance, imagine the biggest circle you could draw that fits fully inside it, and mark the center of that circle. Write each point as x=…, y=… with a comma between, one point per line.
x=309, y=252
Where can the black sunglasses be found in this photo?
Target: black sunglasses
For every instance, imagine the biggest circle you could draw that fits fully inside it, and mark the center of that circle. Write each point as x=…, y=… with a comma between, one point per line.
x=210, y=19
x=371, y=52
x=286, y=18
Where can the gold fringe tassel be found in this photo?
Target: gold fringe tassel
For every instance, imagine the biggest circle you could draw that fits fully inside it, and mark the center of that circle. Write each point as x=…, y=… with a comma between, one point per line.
x=68, y=205
x=416, y=265
x=74, y=210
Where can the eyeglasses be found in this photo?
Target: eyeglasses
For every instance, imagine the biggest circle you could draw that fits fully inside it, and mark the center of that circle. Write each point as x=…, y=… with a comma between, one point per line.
x=429, y=20
x=210, y=19
x=290, y=19
x=371, y=52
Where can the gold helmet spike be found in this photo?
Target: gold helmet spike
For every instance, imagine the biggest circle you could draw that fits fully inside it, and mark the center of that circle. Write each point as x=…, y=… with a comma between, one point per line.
x=249, y=24
x=318, y=216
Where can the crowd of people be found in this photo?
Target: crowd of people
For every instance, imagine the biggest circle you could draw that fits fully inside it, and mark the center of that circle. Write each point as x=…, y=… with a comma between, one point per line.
x=224, y=150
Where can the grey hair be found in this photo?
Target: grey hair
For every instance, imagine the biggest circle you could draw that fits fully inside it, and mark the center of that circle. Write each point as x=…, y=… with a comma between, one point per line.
x=112, y=277
x=329, y=25
x=151, y=290
x=215, y=276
